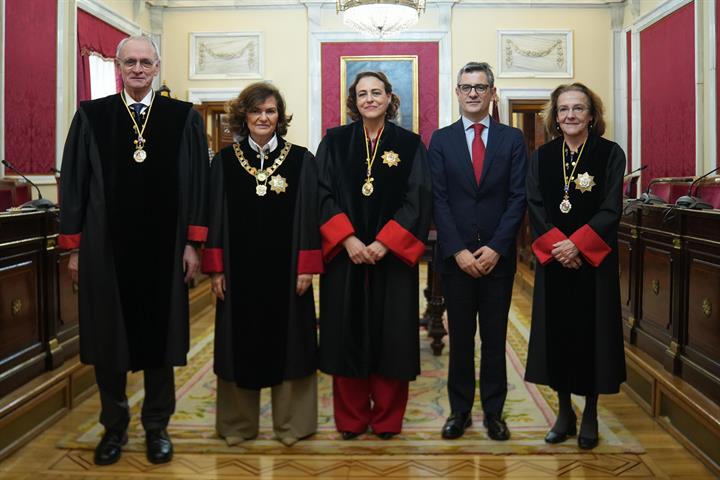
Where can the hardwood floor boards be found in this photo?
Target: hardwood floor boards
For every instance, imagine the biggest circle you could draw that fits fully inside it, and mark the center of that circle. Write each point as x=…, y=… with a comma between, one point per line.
x=664, y=457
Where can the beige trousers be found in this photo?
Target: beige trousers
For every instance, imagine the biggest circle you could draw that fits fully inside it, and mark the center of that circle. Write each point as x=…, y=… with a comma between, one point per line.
x=294, y=410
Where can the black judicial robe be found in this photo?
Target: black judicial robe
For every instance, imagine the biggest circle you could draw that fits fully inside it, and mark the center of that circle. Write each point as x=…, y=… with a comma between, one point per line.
x=576, y=342
x=264, y=332
x=132, y=222
x=369, y=313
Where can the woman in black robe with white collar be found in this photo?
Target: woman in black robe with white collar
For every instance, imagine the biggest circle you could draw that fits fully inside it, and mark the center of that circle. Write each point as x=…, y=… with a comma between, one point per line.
x=574, y=191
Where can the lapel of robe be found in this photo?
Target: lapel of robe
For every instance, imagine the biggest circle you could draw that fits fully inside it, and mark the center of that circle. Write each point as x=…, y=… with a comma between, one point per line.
x=494, y=139
x=459, y=142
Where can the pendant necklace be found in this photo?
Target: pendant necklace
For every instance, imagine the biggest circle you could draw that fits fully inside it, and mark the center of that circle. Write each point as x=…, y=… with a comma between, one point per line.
x=367, y=188
x=565, y=205
x=278, y=183
x=139, y=155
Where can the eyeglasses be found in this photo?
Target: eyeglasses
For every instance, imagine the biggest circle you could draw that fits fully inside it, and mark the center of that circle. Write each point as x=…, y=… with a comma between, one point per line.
x=577, y=110
x=145, y=63
x=479, y=88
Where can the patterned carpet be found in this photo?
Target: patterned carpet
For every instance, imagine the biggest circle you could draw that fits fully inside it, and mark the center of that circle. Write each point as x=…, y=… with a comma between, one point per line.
x=529, y=413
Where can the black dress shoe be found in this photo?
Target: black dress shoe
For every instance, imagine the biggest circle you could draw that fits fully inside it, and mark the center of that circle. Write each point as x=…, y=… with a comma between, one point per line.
x=386, y=435
x=496, y=428
x=588, y=443
x=158, y=445
x=455, y=425
x=349, y=435
x=109, y=450
x=559, y=437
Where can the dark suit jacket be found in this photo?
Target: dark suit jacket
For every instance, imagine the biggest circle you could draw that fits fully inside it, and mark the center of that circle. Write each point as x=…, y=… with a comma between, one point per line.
x=468, y=215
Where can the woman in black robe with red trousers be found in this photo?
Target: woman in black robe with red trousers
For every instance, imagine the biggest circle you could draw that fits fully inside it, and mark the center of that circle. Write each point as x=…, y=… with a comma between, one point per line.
x=265, y=325
x=574, y=191
x=375, y=204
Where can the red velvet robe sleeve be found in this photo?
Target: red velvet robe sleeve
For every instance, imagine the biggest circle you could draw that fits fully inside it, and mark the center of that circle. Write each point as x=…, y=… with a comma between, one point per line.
x=212, y=254
x=74, y=182
x=307, y=242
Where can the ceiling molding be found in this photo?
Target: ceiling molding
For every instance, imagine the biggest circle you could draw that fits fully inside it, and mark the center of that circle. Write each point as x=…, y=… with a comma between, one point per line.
x=239, y=4
x=102, y=12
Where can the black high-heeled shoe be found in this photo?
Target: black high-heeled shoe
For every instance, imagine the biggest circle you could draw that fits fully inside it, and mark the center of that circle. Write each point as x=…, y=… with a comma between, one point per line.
x=559, y=437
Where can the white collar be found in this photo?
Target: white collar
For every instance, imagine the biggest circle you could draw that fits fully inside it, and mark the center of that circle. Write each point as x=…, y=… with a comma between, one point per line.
x=268, y=148
x=467, y=123
x=147, y=99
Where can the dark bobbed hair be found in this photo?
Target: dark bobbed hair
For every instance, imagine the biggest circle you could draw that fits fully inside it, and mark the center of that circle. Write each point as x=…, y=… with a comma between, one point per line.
x=351, y=101
x=596, y=126
x=251, y=96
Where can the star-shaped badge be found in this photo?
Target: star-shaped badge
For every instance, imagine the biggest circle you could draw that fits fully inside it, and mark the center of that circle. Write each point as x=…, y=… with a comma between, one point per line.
x=391, y=159
x=278, y=184
x=584, y=182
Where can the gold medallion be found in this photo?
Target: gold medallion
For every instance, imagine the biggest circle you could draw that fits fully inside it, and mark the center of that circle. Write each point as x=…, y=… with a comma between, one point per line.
x=391, y=159
x=367, y=188
x=584, y=182
x=260, y=190
x=278, y=184
x=140, y=155
x=565, y=205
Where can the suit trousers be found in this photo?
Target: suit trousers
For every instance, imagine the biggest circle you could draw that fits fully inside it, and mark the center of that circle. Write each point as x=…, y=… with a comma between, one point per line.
x=158, y=405
x=294, y=409
x=377, y=402
x=483, y=301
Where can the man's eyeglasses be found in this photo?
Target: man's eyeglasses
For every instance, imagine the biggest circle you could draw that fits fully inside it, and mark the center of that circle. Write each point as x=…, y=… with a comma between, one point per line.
x=480, y=88
x=577, y=110
x=145, y=63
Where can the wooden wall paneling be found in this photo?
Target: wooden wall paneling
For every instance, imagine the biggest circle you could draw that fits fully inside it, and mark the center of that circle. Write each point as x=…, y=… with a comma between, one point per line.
x=628, y=270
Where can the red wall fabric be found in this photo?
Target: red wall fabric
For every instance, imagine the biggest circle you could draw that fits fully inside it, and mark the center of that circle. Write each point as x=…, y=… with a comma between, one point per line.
x=667, y=99
x=94, y=35
x=717, y=81
x=628, y=41
x=427, y=53
x=30, y=84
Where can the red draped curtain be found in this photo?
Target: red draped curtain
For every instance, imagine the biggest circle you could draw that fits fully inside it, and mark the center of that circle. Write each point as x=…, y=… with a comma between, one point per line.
x=667, y=101
x=94, y=36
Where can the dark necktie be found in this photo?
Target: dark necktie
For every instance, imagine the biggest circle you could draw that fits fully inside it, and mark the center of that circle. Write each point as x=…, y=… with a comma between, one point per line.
x=137, y=109
x=478, y=151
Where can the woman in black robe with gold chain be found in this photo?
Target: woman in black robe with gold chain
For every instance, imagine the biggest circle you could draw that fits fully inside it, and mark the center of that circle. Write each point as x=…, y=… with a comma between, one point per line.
x=265, y=327
x=375, y=201
x=574, y=191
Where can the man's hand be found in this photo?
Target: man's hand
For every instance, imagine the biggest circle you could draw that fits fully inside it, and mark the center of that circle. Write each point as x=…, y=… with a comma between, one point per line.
x=73, y=265
x=567, y=254
x=191, y=262
x=376, y=251
x=357, y=251
x=467, y=263
x=218, y=285
x=487, y=258
x=304, y=280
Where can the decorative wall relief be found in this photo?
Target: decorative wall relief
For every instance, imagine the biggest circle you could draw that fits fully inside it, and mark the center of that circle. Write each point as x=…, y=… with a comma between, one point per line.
x=226, y=55
x=535, y=53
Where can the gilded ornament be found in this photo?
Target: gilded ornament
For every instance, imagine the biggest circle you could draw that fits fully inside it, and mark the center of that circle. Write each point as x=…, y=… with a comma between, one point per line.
x=278, y=184
x=584, y=182
x=391, y=159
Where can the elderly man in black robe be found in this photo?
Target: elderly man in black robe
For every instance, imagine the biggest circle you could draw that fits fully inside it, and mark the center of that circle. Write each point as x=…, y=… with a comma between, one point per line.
x=134, y=172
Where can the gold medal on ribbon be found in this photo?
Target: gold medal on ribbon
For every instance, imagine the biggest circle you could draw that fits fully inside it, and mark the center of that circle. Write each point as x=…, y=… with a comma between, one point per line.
x=391, y=159
x=261, y=190
x=140, y=155
x=584, y=182
x=367, y=188
x=278, y=183
x=565, y=205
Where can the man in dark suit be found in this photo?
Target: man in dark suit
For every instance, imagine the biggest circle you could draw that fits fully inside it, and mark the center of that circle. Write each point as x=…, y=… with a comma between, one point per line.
x=478, y=172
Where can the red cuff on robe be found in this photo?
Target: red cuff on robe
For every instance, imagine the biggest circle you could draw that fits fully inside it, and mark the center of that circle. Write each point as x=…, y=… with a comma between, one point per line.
x=69, y=242
x=333, y=232
x=591, y=245
x=197, y=233
x=310, y=261
x=212, y=260
x=401, y=242
x=543, y=245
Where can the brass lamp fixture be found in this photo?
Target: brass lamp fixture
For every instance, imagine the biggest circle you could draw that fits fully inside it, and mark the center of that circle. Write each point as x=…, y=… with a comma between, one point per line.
x=380, y=18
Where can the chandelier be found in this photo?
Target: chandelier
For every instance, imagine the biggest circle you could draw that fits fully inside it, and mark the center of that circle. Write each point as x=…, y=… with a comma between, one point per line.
x=380, y=18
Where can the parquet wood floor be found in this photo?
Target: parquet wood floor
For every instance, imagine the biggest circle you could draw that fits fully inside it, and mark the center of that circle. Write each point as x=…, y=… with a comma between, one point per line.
x=664, y=457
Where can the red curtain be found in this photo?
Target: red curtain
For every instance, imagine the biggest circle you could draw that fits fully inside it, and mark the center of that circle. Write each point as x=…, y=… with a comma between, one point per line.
x=94, y=35
x=667, y=83
x=30, y=84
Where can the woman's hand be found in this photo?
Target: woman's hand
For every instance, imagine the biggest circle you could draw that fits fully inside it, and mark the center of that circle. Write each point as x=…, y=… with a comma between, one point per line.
x=191, y=262
x=73, y=265
x=304, y=280
x=567, y=254
x=356, y=250
x=376, y=251
x=218, y=285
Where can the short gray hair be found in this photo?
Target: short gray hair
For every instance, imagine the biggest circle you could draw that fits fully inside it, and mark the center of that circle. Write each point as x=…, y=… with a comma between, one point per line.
x=142, y=38
x=478, y=67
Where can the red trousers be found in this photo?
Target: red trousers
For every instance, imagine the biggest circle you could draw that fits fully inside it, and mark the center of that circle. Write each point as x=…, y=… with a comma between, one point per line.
x=375, y=401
